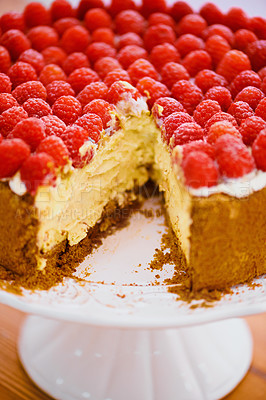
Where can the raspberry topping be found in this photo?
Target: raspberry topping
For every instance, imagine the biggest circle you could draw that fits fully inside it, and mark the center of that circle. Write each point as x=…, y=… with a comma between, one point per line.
x=62, y=24
x=9, y=119
x=21, y=72
x=67, y=108
x=128, y=54
x=259, y=150
x=82, y=77
x=261, y=109
x=37, y=108
x=5, y=61
x=172, y=122
x=34, y=58
x=105, y=65
x=161, y=18
x=187, y=43
x=129, y=39
x=101, y=108
x=173, y=72
x=29, y=90
x=50, y=73
x=220, y=94
x=95, y=90
x=233, y=62
x=199, y=170
x=42, y=37
x=256, y=52
x=250, y=95
x=217, y=46
x=244, y=79
x=220, y=116
x=205, y=110
x=240, y=110
x=13, y=153
x=54, y=55
x=12, y=20
x=206, y=79
x=57, y=89
x=116, y=75
x=192, y=23
x=98, y=50
x=158, y=34
x=152, y=89
x=53, y=125
x=121, y=90
x=97, y=18
x=197, y=60
x=105, y=35
x=31, y=130
x=185, y=133
x=212, y=14
x=61, y=9
x=7, y=101
x=75, y=39
x=36, y=14
x=188, y=94
x=198, y=145
x=15, y=42
x=129, y=21
x=5, y=83
x=56, y=148
x=93, y=125
x=250, y=128
x=142, y=68
x=163, y=54
x=165, y=106
x=221, y=128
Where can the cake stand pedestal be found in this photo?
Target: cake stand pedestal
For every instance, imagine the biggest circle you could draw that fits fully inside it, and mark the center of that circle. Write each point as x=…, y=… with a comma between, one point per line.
x=72, y=361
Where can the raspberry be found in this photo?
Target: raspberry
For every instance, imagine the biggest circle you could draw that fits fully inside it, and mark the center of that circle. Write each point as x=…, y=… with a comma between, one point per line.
x=95, y=90
x=129, y=21
x=38, y=170
x=244, y=79
x=257, y=25
x=250, y=128
x=56, y=148
x=262, y=73
x=12, y=20
x=30, y=89
x=140, y=69
x=82, y=77
x=221, y=128
x=116, y=75
x=105, y=65
x=217, y=47
x=121, y=90
x=256, y=52
x=192, y=23
x=67, y=108
x=61, y=9
x=240, y=110
x=105, y=35
x=250, y=95
x=85, y=5
x=117, y=6
x=173, y=72
x=74, y=61
x=42, y=37
x=158, y=34
x=205, y=110
x=36, y=14
x=220, y=116
x=263, y=86
x=152, y=89
x=236, y=18
x=198, y=145
x=261, y=109
x=207, y=79
x=54, y=55
x=165, y=106
x=5, y=61
x=7, y=101
x=221, y=30
x=259, y=150
x=197, y=60
x=232, y=64
x=34, y=58
x=161, y=18
x=21, y=72
x=243, y=37
x=97, y=18
x=53, y=125
x=101, y=108
x=172, y=122
x=74, y=138
x=5, y=83
x=50, y=73
x=129, y=39
x=15, y=42
x=75, y=39
x=128, y=54
x=185, y=133
x=212, y=14
x=13, y=153
x=62, y=24
x=37, y=108
x=57, y=89
x=199, y=170
x=31, y=130
x=163, y=54
x=151, y=6
x=180, y=9
x=188, y=94
x=98, y=50
x=233, y=157
x=187, y=43
x=221, y=95
x=93, y=125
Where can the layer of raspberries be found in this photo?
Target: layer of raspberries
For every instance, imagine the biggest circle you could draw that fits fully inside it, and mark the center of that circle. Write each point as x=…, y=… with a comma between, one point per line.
x=64, y=69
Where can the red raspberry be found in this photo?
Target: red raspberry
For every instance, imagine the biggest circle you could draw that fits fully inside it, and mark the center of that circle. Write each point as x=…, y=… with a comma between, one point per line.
x=38, y=170
x=197, y=60
x=257, y=25
x=263, y=86
x=205, y=110
x=217, y=47
x=21, y=72
x=116, y=75
x=82, y=77
x=261, y=109
x=250, y=128
x=140, y=69
x=85, y=5
x=53, y=125
x=121, y=90
x=244, y=79
x=117, y=6
x=173, y=72
x=105, y=35
x=5, y=83
x=97, y=18
x=207, y=79
x=192, y=23
x=56, y=148
x=198, y=145
x=259, y=150
x=129, y=39
x=101, y=108
x=37, y=108
x=42, y=37
x=163, y=54
x=12, y=20
x=221, y=30
x=63, y=24
x=36, y=14
x=75, y=39
x=31, y=130
x=165, y=106
x=74, y=61
x=95, y=90
x=180, y=9
x=232, y=64
x=67, y=108
x=5, y=61
x=54, y=55
x=233, y=157
x=240, y=110
x=129, y=21
x=93, y=125
x=152, y=89
x=158, y=34
x=105, y=65
x=187, y=43
x=57, y=89
x=221, y=95
x=172, y=122
x=98, y=50
x=128, y=54
x=220, y=116
x=243, y=37
x=34, y=58
x=151, y=6
x=15, y=42
x=221, y=128
x=61, y=9
x=30, y=89
x=13, y=153
x=250, y=95
x=212, y=14
x=199, y=170
x=50, y=73
x=161, y=18
x=262, y=73
x=236, y=18
x=188, y=94
x=186, y=133
x=7, y=101
x=256, y=52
